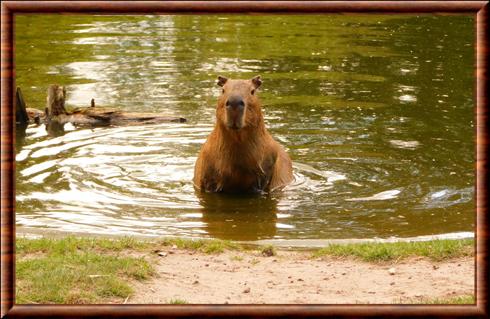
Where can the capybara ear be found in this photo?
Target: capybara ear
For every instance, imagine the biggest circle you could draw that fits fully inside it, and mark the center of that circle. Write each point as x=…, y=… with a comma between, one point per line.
x=256, y=81
x=221, y=80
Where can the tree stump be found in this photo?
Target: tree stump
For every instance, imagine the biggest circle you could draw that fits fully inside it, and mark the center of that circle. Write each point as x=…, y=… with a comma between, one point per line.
x=56, y=101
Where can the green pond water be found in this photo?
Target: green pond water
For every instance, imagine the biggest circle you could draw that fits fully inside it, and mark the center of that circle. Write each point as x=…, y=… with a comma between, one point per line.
x=376, y=111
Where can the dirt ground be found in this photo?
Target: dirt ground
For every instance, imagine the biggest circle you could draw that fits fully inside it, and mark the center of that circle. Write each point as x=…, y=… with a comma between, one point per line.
x=295, y=278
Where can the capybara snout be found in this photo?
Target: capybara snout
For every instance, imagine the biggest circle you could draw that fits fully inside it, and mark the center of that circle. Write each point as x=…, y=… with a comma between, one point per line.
x=235, y=112
x=240, y=156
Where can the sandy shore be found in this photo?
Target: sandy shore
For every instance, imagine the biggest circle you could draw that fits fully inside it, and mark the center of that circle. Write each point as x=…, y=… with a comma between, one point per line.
x=294, y=277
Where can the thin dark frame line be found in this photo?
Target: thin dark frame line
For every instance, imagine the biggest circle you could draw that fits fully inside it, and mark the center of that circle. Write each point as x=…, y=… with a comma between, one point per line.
x=10, y=8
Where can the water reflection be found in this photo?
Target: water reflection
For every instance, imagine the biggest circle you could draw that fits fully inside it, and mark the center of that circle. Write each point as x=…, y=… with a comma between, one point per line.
x=20, y=136
x=55, y=128
x=239, y=217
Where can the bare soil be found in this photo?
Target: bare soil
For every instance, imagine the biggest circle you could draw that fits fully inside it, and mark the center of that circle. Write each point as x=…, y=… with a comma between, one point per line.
x=293, y=277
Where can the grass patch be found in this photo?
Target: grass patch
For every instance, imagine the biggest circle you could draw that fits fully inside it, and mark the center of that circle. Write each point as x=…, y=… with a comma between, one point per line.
x=236, y=258
x=177, y=302
x=213, y=246
x=436, y=250
x=74, y=271
x=71, y=244
x=457, y=300
x=254, y=261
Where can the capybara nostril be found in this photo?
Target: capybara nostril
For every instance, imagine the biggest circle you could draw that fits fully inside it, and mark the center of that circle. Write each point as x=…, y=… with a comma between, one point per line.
x=235, y=102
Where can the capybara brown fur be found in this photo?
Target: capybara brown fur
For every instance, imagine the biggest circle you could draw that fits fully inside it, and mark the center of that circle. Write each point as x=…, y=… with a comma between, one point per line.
x=240, y=155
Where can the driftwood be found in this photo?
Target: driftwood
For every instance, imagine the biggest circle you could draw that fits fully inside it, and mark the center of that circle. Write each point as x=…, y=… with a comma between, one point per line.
x=56, y=115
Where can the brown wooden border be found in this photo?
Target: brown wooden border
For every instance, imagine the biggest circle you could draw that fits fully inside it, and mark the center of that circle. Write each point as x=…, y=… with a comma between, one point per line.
x=10, y=8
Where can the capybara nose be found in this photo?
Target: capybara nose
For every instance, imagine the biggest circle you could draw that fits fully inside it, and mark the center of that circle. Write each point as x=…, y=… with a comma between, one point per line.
x=235, y=102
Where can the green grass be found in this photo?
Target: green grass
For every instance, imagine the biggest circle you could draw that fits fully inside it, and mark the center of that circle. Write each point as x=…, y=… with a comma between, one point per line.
x=374, y=252
x=177, y=302
x=254, y=261
x=213, y=246
x=76, y=270
x=73, y=244
x=236, y=258
x=457, y=300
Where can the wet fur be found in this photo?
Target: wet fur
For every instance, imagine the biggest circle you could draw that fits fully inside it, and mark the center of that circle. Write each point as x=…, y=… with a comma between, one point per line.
x=247, y=160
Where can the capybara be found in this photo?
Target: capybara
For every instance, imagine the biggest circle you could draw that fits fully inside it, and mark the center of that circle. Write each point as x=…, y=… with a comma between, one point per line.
x=240, y=155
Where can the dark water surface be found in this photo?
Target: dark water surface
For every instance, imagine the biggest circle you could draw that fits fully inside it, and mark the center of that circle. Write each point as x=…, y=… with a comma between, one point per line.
x=376, y=112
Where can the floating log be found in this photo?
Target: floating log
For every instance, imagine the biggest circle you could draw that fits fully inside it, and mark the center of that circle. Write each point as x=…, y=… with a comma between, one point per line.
x=55, y=112
x=109, y=116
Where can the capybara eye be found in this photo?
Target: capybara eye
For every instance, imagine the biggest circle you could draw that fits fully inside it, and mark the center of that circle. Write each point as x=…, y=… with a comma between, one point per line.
x=252, y=92
x=223, y=91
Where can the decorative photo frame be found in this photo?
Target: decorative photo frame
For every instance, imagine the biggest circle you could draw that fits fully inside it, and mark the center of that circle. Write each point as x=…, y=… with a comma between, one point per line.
x=11, y=8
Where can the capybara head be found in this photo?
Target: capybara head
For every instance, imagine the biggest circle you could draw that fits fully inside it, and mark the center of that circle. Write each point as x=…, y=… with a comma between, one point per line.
x=238, y=105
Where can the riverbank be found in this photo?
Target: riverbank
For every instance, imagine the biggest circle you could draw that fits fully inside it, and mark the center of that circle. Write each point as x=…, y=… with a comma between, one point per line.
x=88, y=270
